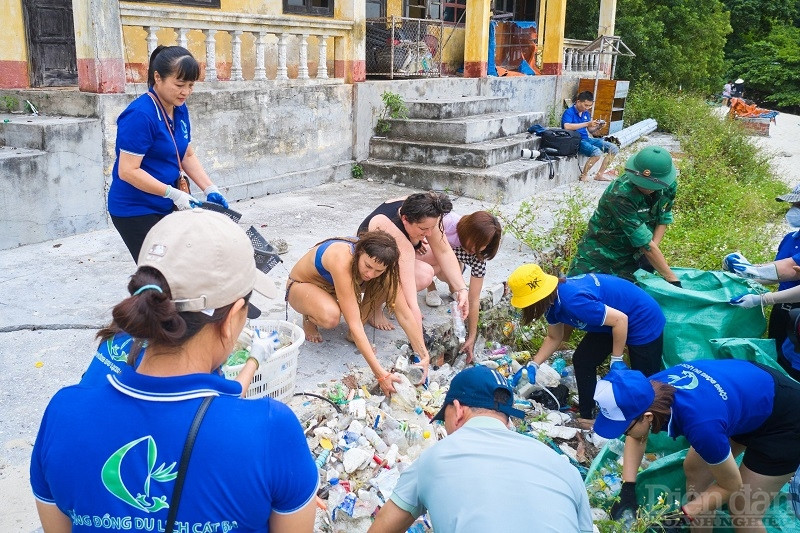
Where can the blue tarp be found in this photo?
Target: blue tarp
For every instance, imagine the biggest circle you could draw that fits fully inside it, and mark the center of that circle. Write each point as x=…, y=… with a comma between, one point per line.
x=491, y=66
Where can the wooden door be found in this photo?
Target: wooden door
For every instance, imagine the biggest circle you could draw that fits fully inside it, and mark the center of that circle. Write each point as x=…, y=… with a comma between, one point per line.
x=51, y=42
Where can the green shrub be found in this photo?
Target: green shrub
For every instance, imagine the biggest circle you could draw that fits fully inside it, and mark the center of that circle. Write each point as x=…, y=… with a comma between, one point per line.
x=393, y=108
x=726, y=189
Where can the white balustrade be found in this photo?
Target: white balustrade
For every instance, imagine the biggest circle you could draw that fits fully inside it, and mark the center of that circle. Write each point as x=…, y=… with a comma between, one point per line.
x=322, y=65
x=152, y=39
x=211, y=55
x=290, y=33
x=236, y=55
x=302, y=69
x=282, y=73
x=261, y=44
x=183, y=37
x=576, y=60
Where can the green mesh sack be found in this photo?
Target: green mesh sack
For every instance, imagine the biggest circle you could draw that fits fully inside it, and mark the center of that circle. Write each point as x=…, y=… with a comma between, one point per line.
x=699, y=311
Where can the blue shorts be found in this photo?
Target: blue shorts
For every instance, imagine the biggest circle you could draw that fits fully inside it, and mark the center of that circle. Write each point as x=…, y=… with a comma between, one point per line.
x=593, y=147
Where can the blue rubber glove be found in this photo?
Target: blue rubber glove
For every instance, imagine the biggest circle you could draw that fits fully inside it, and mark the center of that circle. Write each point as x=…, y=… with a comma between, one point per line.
x=520, y=374
x=746, y=301
x=735, y=262
x=213, y=195
x=617, y=363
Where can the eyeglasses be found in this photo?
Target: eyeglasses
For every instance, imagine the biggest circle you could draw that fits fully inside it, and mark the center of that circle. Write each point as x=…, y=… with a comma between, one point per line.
x=639, y=419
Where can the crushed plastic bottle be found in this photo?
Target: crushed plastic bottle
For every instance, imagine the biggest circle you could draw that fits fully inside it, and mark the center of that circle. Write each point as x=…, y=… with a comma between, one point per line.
x=458, y=322
x=336, y=495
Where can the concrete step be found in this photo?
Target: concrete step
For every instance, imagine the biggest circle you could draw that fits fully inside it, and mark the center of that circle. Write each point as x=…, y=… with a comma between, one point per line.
x=456, y=107
x=478, y=155
x=464, y=130
x=44, y=132
x=504, y=183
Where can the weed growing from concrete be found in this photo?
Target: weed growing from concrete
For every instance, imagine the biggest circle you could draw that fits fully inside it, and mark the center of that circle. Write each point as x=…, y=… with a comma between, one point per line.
x=357, y=171
x=8, y=103
x=553, y=245
x=393, y=108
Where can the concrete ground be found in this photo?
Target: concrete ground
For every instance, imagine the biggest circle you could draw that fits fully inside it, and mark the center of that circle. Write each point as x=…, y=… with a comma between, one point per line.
x=55, y=295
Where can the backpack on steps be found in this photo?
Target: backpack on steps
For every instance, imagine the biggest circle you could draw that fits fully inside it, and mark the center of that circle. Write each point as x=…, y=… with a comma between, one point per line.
x=566, y=142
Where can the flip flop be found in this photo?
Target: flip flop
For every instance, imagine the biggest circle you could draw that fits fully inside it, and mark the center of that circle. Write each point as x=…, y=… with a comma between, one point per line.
x=603, y=178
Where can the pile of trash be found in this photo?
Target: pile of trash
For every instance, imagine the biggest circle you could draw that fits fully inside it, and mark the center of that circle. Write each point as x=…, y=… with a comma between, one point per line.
x=363, y=441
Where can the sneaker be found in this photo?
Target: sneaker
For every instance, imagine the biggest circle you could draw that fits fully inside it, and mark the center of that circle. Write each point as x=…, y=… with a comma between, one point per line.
x=433, y=299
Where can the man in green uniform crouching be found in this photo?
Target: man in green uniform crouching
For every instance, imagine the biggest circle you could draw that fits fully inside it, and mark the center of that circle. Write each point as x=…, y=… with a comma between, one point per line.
x=631, y=218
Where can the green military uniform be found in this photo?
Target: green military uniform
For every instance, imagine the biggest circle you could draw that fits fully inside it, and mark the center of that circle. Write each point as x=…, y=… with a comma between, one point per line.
x=622, y=224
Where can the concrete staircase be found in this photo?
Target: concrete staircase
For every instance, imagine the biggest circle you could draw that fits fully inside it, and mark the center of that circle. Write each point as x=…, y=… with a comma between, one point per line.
x=470, y=146
x=51, y=176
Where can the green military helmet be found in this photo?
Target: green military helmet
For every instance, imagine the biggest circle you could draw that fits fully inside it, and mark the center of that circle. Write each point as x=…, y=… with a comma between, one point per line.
x=651, y=168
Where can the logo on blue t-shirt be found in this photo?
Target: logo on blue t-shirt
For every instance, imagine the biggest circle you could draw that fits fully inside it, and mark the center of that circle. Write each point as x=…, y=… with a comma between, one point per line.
x=184, y=129
x=687, y=380
x=112, y=477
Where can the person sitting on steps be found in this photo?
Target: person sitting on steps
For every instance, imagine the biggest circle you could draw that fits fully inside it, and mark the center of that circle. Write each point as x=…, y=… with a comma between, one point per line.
x=578, y=118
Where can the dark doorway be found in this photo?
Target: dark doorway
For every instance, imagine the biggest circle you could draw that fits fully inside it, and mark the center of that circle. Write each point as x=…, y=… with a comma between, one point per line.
x=51, y=42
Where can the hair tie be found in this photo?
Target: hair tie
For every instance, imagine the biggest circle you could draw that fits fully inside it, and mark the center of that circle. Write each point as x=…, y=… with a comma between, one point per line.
x=148, y=288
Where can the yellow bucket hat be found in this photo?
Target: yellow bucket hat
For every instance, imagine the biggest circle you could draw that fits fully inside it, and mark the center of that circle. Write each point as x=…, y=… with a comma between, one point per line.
x=529, y=284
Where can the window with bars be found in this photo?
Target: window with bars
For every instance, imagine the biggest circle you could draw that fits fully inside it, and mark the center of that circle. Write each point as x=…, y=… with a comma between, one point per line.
x=376, y=9
x=452, y=10
x=322, y=8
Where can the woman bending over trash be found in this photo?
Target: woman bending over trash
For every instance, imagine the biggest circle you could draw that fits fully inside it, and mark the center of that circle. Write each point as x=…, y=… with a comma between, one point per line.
x=612, y=311
x=415, y=222
x=328, y=282
x=723, y=408
x=475, y=239
x=113, y=450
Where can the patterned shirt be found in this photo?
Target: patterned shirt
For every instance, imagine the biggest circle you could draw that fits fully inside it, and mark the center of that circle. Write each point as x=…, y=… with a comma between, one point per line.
x=477, y=267
x=620, y=227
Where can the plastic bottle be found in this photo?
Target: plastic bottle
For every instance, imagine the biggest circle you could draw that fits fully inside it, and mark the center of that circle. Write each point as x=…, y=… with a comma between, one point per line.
x=375, y=440
x=458, y=323
x=616, y=446
x=336, y=495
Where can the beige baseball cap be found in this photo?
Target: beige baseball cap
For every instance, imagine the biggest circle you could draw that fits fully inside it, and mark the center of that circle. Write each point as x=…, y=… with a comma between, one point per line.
x=207, y=260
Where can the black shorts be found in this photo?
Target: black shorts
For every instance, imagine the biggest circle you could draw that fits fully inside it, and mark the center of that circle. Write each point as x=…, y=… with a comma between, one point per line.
x=773, y=449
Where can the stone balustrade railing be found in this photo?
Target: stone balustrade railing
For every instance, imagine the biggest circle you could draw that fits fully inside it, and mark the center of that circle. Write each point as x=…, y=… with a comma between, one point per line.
x=211, y=22
x=575, y=60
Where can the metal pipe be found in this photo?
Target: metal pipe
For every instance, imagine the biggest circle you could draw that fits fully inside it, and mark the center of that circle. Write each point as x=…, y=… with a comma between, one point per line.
x=630, y=134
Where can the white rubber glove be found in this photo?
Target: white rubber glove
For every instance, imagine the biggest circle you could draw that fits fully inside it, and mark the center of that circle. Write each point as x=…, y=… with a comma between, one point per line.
x=181, y=200
x=746, y=300
x=764, y=273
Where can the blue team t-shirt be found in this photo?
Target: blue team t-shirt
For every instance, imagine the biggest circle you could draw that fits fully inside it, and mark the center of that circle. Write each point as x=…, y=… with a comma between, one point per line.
x=107, y=456
x=572, y=116
x=582, y=302
x=142, y=131
x=789, y=247
x=716, y=400
x=111, y=357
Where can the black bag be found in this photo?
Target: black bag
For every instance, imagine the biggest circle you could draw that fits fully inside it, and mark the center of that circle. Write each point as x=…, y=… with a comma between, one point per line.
x=566, y=142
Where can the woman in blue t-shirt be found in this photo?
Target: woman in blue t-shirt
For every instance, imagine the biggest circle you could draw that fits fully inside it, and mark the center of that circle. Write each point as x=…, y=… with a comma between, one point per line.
x=153, y=150
x=723, y=408
x=612, y=311
x=120, y=448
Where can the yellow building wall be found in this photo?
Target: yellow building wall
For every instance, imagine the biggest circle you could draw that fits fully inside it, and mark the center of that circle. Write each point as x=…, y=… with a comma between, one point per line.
x=14, y=47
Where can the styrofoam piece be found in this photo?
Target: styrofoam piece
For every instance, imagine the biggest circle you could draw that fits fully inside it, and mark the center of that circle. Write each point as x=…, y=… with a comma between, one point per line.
x=355, y=458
